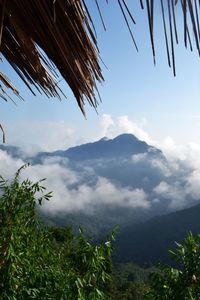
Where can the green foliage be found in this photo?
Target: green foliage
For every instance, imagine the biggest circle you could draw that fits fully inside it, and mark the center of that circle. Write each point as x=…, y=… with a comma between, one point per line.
x=179, y=283
x=129, y=281
x=129, y=291
x=39, y=262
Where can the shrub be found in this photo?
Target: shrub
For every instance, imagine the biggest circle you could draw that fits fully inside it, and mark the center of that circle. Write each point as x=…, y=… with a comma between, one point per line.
x=179, y=283
x=41, y=262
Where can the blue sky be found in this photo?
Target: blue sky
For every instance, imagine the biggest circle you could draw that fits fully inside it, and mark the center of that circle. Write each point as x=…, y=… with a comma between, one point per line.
x=134, y=92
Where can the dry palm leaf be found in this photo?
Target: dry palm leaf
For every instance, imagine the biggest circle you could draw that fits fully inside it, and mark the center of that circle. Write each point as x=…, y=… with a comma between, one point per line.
x=1, y=127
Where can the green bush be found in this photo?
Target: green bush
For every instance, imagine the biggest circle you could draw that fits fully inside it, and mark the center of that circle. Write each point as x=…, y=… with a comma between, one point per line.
x=181, y=283
x=40, y=262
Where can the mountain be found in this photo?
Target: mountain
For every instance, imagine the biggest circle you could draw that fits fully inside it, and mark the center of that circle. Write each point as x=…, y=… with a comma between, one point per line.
x=125, y=161
x=114, y=159
x=124, y=145
x=128, y=165
x=148, y=243
x=13, y=151
x=120, y=181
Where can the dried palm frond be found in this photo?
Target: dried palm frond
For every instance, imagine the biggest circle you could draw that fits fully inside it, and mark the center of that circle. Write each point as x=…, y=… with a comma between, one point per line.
x=39, y=36
x=4, y=139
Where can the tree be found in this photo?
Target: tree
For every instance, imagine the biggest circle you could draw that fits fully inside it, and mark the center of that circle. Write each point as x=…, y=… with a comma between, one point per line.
x=40, y=262
x=179, y=283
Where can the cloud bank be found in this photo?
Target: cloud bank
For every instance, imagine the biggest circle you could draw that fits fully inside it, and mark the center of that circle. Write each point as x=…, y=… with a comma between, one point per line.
x=70, y=192
x=155, y=182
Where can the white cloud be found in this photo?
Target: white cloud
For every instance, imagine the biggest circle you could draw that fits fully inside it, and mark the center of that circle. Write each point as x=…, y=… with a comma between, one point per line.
x=163, y=188
x=69, y=192
x=175, y=192
x=139, y=157
x=193, y=184
x=184, y=164
x=111, y=127
x=108, y=193
x=154, y=162
x=161, y=165
x=60, y=135
x=107, y=125
x=9, y=165
x=181, y=193
x=188, y=153
x=129, y=126
x=45, y=135
x=83, y=197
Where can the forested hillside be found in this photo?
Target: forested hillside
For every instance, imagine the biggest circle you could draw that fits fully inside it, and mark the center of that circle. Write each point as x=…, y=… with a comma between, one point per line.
x=147, y=243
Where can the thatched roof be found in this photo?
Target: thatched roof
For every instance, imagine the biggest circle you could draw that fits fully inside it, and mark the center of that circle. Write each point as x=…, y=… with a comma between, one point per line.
x=41, y=38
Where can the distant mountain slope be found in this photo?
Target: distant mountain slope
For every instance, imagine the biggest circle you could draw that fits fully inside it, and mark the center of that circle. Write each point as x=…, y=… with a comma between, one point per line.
x=113, y=159
x=149, y=243
x=125, y=164
x=124, y=145
x=13, y=151
x=117, y=180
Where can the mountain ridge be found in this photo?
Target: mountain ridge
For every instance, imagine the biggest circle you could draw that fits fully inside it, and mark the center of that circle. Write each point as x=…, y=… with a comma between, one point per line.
x=123, y=145
x=148, y=243
x=126, y=165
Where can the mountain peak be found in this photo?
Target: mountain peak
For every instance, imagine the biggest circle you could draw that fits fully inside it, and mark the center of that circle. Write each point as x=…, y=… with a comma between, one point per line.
x=124, y=145
x=104, y=139
x=126, y=137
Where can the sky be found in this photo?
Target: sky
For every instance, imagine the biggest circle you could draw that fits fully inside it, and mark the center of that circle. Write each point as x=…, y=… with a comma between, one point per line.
x=137, y=96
